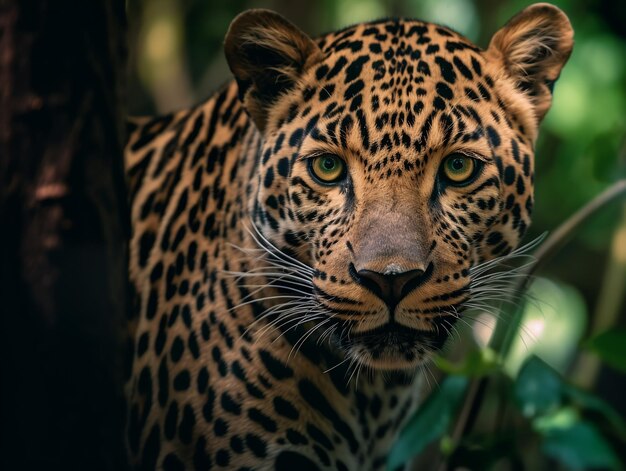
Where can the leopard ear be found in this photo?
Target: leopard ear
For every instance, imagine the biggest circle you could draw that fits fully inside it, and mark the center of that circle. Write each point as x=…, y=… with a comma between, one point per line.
x=533, y=47
x=267, y=54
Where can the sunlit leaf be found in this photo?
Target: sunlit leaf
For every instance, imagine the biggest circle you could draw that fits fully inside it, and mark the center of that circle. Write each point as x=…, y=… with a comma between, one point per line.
x=553, y=321
x=580, y=446
x=563, y=417
x=476, y=363
x=538, y=388
x=431, y=421
x=611, y=347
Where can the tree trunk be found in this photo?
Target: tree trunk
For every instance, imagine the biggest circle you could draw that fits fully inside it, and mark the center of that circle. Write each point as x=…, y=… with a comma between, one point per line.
x=63, y=234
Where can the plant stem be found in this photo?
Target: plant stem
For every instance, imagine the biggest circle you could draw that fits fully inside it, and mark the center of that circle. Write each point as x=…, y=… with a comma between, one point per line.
x=607, y=310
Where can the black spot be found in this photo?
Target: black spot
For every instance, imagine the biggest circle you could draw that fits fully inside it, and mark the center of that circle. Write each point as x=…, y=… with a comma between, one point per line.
x=509, y=175
x=484, y=92
x=230, y=405
x=444, y=91
x=145, y=246
x=321, y=71
x=521, y=188
x=296, y=138
x=269, y=177
x=447, y=71
x=494, y=137
x=220, y=427
x=326, y=92
x=207, y=409
x=157, y=272
x=354, y=69
x=159, y=343
x=142, y=344
x=353, y=90
x=340, y=64
x=236, y=444
x=375, y=406
x=285, y=408
x=206, y=332
x=172, y=463
x=257, y=445
x=201, y=460
x=283, y=167
x=203, y=379
x=259, y=417
x=461, y=67
x=222, y=458
x=296, y=438
x=164, y=385
x=153, y=302
x=171, y=420
x=193, y=345
x=494, y=238
x=177, y=349
x=181, y=381
x=185, y=431
x=275, y=367
x=432, y=48
x=340, y=465
x=476, y=66
x=439, y=104
x=151, y=449
x=319, y=436
x=291, y=460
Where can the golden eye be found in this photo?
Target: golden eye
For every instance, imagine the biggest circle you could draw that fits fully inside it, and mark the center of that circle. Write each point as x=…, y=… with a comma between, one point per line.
x=327, y=168
x=458, y=168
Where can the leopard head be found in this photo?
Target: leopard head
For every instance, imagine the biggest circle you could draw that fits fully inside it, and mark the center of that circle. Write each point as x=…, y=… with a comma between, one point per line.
x=396, y=156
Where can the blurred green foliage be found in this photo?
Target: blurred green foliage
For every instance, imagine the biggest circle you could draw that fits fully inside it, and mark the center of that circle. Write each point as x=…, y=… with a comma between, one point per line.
x=176, y=60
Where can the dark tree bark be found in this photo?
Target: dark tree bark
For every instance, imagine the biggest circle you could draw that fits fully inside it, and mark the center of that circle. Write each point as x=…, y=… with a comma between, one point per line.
x=63, y=232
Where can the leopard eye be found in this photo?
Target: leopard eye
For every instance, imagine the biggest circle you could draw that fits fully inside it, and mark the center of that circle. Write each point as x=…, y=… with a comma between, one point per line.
x=459, y=168
x=327, y=169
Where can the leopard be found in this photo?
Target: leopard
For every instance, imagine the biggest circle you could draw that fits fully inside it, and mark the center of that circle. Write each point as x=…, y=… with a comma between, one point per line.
x=304, y=240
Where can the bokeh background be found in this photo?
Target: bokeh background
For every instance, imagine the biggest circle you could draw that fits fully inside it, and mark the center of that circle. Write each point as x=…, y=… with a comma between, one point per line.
x=176, y=60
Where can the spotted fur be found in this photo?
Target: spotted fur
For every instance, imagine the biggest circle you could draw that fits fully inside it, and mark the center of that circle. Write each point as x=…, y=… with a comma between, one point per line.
x=281, y=322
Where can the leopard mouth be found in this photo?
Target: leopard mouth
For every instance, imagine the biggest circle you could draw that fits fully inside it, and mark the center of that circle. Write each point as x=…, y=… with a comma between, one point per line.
x=394, y=346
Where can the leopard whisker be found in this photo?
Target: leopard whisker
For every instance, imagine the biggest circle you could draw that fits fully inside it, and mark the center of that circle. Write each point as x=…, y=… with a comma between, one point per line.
x=279, y=309
x=264, y=243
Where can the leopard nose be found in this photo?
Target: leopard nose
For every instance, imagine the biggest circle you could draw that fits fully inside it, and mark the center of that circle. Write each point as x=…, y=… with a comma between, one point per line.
x=391, y=287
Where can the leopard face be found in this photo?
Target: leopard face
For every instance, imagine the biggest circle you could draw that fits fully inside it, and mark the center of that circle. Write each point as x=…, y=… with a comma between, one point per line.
x=396, y=157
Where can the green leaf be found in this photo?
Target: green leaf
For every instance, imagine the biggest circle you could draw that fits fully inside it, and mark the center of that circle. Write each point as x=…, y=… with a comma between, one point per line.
x=580, y=446
x=430, y=422
x=560, y=418
x=592, y=402
x=476, y=363
x=483, y=451
x=611, y=347
x=538, y=388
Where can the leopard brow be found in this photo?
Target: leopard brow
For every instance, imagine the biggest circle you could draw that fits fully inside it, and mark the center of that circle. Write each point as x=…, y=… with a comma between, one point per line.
x=318, y=153
x=474, y=155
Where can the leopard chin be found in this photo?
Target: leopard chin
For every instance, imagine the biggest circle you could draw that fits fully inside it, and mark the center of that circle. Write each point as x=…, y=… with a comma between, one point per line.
x=392, y=346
